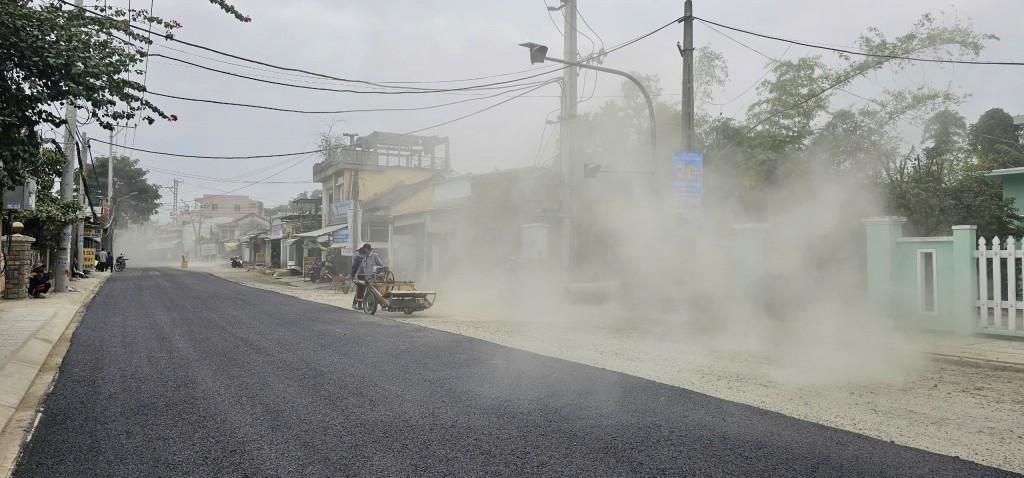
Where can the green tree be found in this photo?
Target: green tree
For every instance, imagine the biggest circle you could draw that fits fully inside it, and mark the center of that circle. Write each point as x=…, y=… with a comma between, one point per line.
x=50, y=55
x=994, y=140
x=129, y=179
x=47, y=222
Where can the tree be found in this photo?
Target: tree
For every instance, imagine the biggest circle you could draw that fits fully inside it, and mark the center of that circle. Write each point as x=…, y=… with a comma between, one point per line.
x=994, y=140
x=129, y=178
x=51, y=55
x=47, y=222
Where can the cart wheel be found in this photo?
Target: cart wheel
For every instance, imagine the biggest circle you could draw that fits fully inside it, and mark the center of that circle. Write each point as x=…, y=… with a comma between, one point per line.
x=346, y=288
x=408, y=311
x=370, y=303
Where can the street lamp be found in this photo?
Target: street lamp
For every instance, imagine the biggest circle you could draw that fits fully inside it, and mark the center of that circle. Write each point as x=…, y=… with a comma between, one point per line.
x=539, y=54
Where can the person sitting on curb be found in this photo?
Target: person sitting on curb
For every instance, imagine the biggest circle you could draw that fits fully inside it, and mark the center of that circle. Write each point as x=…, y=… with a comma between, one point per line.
x=38, y=282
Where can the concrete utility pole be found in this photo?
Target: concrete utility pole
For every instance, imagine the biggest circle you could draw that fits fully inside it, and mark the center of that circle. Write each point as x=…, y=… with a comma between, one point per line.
x=67, y=184
x=569, y=85
x=80, y=253
x=565, y=160
x=688, y=100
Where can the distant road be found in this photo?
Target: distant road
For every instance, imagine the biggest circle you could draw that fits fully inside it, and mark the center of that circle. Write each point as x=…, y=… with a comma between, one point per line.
x=178, y=373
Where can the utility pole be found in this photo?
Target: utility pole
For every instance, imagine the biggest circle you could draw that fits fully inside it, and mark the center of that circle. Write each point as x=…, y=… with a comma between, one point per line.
x=688, y=100
x=174, y=206
x=67, y=184
x=566, y=166
x=84, y=201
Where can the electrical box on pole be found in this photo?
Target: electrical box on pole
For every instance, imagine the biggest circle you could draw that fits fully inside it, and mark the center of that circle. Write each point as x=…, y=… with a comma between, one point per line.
x=21, y=197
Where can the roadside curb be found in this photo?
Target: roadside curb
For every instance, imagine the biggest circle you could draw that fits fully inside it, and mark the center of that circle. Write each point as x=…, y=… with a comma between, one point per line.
x=22, y=370
x=968, y=361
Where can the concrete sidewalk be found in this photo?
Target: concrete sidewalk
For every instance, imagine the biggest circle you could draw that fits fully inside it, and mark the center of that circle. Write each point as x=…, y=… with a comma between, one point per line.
x=979, y=349
x=29, y=329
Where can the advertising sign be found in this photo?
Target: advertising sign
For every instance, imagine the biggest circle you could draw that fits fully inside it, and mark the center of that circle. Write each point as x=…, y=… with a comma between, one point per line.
x=340, y=237
x=261, y=259
x=208, y=249
x=354, y=217
x=277, y=231
x=688, y=183
x=340, y=208
x=89, y=257
x=307, y=263
x=92, y=232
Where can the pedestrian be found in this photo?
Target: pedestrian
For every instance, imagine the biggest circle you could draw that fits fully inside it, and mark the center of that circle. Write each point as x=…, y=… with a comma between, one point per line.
x=38, y=282
x=110, y=261
x=367, y=262
x=101, y=259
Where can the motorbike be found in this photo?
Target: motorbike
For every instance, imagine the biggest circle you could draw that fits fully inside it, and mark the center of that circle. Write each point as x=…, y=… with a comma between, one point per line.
x=120, y=263
x=237, y=262
x=320, y=272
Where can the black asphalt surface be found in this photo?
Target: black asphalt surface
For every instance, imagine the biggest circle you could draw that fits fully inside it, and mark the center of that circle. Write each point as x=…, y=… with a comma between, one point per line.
x=179, y=373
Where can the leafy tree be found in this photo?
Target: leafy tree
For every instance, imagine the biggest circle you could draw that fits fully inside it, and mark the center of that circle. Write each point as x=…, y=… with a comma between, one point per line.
x=994, y=140
x=129, y=179
x=51, y=55
x=47, y=222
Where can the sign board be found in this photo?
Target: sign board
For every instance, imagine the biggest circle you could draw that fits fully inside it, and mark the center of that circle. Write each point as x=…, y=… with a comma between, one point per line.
x=89, y=257
x=340, y=236
x=340, y=208
x=277, y=231
x=92, y=232
x=688, y=183
x=307, y=263
x=355, y=216
x=208, y=250
x=261, y=259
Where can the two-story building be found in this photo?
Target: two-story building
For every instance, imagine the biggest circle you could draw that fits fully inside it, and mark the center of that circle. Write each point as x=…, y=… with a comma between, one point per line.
x=374, y=170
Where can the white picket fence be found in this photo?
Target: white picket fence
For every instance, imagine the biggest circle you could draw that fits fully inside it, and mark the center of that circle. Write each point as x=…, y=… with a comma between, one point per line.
x=1000, y=304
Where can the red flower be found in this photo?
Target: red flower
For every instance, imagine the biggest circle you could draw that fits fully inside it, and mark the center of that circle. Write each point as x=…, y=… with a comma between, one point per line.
x=174, y=117
x=175, y=24
x=247, y=19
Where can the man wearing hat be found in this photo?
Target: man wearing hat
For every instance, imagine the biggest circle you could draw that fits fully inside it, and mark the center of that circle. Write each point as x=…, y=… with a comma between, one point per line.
x=362, y=267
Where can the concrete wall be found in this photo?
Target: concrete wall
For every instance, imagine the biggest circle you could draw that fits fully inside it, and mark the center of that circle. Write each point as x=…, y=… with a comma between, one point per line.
x=895, y=287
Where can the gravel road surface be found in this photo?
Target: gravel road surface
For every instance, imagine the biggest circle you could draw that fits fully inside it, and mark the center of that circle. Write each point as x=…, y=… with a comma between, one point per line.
x=179, y=373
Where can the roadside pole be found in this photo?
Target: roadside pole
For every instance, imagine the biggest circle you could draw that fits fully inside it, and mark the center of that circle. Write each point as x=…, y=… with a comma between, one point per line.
x=67, y=184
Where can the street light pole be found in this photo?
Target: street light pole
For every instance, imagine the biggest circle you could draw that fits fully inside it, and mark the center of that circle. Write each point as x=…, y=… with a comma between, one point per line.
x=538, y=54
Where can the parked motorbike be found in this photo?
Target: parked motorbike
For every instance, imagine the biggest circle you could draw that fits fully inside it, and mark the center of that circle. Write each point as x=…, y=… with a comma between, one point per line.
x=120, y=263
x=320, y=272
x=237, y=262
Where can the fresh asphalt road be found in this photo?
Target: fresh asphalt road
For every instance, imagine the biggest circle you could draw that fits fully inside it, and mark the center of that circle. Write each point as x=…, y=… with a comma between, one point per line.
x=179, y=373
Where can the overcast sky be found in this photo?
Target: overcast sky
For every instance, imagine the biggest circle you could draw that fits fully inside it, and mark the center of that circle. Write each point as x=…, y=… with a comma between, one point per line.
x=431, y=40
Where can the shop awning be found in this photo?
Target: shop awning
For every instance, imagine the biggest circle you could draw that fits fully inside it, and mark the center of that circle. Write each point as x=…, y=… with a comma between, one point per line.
x=290, y=242
x=323, y=231
x=232, y=244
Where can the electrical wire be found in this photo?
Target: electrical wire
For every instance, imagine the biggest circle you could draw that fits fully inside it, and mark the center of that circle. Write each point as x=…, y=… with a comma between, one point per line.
x=281, y=155
x=367, y=110
x=861, y=53
x=496, y=85
x=365, y=82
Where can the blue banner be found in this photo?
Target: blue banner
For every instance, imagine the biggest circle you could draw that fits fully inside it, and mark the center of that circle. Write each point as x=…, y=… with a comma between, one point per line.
x=688, y=183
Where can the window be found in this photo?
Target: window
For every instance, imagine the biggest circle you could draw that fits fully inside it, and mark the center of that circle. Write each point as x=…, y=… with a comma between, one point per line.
x=213, y=207
x=378, y=234
x=238, y=207
x=926, y=293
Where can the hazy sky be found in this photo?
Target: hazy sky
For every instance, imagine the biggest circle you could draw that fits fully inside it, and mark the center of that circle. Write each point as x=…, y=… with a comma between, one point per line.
x=430, y=40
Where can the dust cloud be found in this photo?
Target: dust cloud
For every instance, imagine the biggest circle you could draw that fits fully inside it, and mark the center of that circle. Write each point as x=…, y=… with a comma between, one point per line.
x=788, y=287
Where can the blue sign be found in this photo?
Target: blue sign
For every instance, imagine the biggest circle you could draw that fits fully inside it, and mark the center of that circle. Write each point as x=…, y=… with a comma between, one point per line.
x=688, y=183
x=340, y=236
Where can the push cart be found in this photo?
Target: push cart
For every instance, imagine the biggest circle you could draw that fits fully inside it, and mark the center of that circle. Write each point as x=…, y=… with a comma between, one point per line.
x=387, y=294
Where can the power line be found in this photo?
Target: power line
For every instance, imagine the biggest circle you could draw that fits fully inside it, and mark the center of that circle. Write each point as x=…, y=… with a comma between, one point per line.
x=496, y=85
x=367, y=110
x=281, y=155
x=371, y=83
x=460, y=80
x=860, y=53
